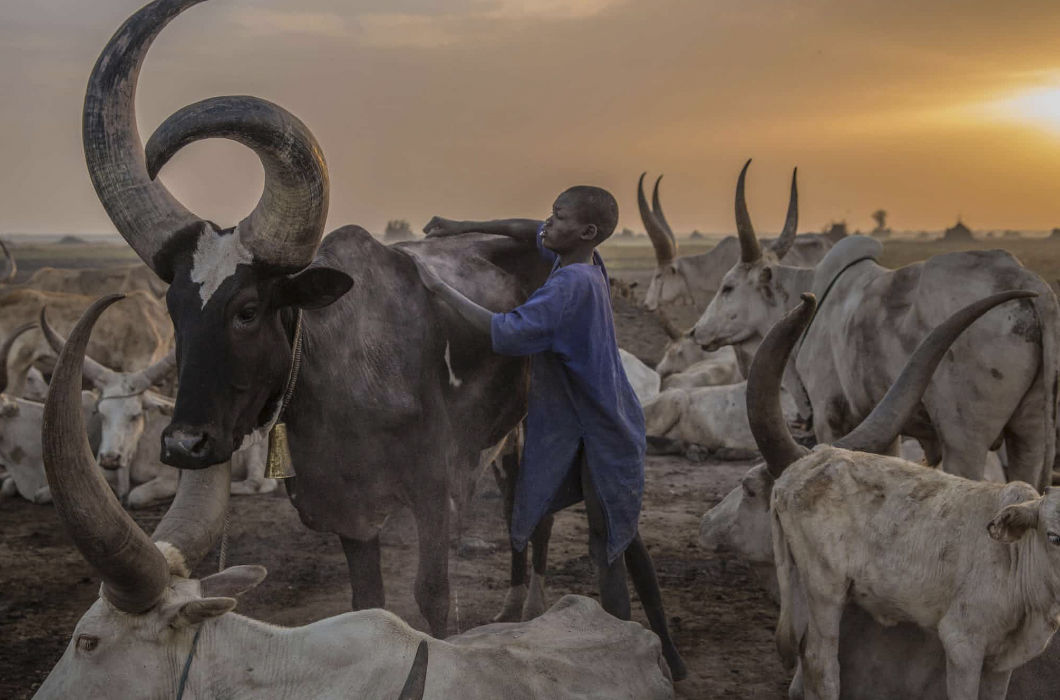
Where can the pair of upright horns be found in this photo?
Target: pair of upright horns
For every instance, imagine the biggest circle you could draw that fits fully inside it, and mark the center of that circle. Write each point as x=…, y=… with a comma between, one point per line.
x=665, y=244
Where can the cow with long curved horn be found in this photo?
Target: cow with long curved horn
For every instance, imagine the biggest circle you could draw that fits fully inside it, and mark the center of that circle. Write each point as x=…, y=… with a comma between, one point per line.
x=386, y=401
x=152, y=615
x=963, y=546
x=696, y=278
x=132, y=417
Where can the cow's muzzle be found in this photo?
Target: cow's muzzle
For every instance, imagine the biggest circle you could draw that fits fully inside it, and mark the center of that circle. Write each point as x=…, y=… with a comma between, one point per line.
x=110, y=460
x=186, y=447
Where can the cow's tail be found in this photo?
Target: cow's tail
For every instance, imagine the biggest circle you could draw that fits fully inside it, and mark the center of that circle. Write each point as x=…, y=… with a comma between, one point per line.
x=787, y=636
x=1046, y=307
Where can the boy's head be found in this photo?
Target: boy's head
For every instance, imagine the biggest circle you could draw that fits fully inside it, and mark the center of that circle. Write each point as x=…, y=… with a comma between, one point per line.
x=582, y=216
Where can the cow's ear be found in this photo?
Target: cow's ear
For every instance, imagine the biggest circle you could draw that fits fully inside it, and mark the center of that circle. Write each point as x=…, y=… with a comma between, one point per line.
x=233, y=581
x=765, y=279
x=195, y=611
x=313, y=288
x=1014, y=521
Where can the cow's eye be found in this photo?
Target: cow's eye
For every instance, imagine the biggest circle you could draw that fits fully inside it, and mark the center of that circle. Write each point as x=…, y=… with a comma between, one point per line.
x=1054, y=538
x=87, y=642
x=247, y=314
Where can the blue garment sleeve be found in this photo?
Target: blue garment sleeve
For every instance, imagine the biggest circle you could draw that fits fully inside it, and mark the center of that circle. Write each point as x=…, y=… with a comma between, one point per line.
x=530, y=328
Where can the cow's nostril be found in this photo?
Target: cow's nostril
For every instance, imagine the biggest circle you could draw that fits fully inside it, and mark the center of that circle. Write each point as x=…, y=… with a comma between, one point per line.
x=188, y=449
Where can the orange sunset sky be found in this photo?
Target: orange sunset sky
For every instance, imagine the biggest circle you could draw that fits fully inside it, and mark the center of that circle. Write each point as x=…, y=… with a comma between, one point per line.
x=488, y=108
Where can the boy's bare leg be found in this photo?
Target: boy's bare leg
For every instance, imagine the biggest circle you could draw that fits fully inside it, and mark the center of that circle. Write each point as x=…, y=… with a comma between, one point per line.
x=610, y=578
x=642, y=571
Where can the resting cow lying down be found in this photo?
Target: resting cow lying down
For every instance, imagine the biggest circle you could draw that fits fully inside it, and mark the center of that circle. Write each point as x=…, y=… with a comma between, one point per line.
x=157, y=632
x=977, y=563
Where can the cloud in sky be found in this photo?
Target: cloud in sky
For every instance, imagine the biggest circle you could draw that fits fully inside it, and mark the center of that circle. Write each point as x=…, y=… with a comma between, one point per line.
x=477, y=108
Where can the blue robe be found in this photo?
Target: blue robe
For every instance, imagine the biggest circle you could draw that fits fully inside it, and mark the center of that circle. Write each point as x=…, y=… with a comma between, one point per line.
x=580, y=399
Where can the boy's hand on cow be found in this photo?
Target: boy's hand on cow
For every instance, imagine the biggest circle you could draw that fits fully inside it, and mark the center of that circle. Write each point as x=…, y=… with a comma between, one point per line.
x=438, y=227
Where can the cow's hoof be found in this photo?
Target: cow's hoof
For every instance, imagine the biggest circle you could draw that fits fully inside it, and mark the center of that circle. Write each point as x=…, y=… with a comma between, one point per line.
x=535, y=600
x=8, y=488
x=42, y=496
x=513, y=605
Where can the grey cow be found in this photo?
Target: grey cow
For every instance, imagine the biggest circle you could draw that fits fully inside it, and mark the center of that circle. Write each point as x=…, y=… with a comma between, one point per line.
x=998, y=383
x=693, y=279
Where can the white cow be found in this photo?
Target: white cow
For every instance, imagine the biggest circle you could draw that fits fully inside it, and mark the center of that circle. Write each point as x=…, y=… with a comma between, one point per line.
x=906, y=543
x=644, y=379
x=713, y=418
x=132, y=420
x=153, y=624
x=20, y=424
x=684, y=356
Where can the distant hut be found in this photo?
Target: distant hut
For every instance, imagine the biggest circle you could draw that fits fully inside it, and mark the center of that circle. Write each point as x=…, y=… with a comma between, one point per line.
x=397, y=230
x=71, y=240
x=958, y=232
x=835, y=231
x=696, y=236
x=626, y=233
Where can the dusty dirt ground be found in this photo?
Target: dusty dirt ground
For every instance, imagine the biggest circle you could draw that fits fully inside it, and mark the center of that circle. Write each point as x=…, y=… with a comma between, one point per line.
x=722, y=619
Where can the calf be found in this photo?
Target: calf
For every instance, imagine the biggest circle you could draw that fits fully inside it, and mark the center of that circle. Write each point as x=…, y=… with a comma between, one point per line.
x=978, y=563
x=712, y=418
x=20, y=425
x=644, y=379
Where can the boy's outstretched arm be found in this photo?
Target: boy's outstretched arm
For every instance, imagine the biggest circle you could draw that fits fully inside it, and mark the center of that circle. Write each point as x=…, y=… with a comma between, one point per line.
x=520, y=229
x=479, y=317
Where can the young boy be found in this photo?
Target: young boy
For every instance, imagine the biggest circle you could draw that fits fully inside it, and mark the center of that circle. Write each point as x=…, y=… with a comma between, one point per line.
x=585, y=428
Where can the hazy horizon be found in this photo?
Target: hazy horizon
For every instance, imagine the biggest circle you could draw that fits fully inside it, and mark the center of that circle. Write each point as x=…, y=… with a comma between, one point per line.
x=488, y=108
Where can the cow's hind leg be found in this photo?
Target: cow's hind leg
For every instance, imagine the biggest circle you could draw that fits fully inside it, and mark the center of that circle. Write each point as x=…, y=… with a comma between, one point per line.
x=1025, y=442
x=505, y=471
x=820, y=658
x=993, y=685
x=432, y=571
x=535, y=601
x=642, y=571
x=366, y=575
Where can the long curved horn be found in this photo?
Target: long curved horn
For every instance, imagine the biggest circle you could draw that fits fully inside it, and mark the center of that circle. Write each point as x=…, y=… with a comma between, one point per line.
x=656, y=208
x=12, y=266
x=750, y=250
x=885, y=422
x=5, y=350
x=768, y=426
x=195, y=519
x=143, y=211
x=665, y=248
x=97, y=374
x=782, y=245
x=133, y=570
x=416, y=682
x=287, y=224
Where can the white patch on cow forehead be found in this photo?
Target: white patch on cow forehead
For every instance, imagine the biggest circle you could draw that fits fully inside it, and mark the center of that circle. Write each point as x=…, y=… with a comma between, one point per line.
x=453, y=380
x=215, y=260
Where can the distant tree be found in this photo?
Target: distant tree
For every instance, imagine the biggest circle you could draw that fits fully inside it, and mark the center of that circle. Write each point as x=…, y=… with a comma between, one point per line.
x=626, y=232
x=880, y=217
x=398, y=230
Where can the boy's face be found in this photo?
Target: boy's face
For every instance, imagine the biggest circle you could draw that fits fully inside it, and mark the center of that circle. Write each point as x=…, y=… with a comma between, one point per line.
x=565, y=231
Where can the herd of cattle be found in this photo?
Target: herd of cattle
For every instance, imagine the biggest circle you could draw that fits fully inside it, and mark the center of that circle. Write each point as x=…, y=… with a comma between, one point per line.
x=895, y=577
